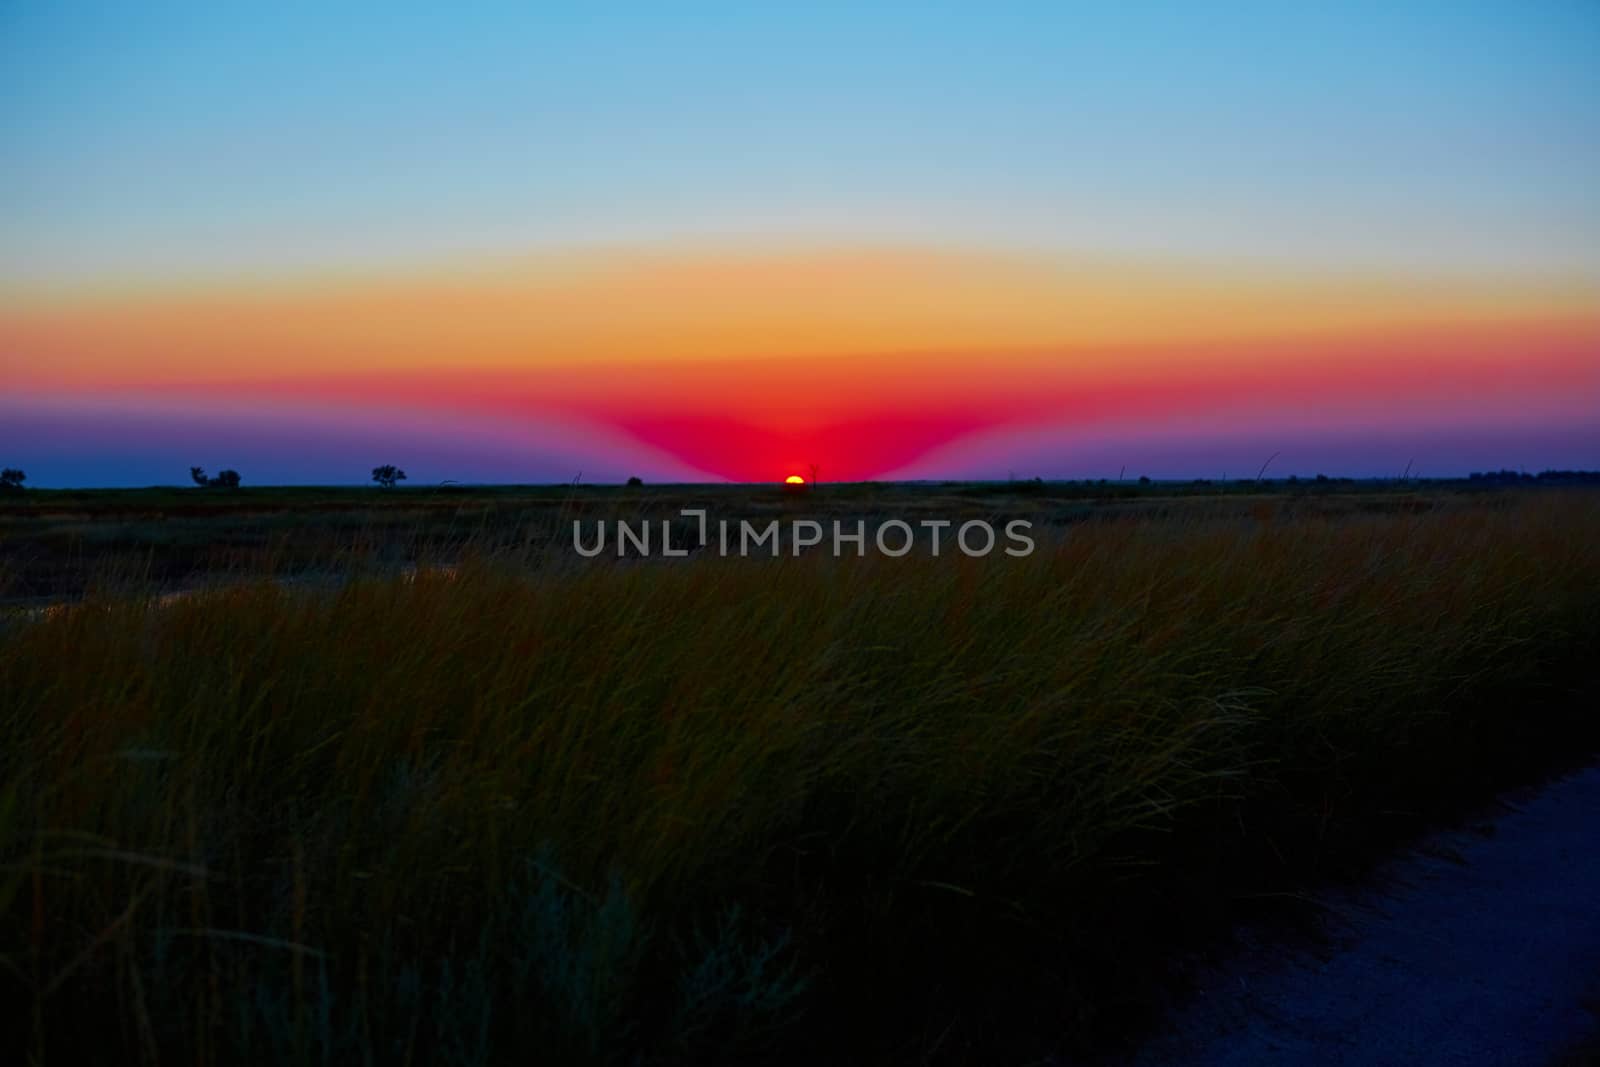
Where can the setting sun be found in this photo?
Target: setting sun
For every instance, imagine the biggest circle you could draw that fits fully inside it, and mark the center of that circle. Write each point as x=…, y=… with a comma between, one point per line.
x=794, y=479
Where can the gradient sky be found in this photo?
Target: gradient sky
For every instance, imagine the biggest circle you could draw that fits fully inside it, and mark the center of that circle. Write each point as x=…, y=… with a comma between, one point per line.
x=706, y=241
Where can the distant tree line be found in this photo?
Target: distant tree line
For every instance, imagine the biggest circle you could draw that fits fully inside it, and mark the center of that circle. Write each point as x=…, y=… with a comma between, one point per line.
x=388, y=475
x=1508, y=477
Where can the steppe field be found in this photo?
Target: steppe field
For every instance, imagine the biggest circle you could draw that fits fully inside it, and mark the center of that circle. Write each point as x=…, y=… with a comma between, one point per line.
x=358, y=776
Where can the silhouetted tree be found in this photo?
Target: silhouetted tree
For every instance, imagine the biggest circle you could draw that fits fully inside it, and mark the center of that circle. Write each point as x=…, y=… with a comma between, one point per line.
x=635, y=482
x=1144, y=479
x=224, y=480
x=11, y=479
x=387, y=475
x=813, y=468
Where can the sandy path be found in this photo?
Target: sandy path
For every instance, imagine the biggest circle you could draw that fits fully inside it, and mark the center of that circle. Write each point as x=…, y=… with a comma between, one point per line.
x=1480, y=947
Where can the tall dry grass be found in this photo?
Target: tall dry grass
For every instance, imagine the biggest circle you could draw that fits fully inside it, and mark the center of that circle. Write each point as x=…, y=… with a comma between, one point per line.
x=917, y=808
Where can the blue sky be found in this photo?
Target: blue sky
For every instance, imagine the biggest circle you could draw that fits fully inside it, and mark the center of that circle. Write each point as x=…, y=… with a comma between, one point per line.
x=182, y=140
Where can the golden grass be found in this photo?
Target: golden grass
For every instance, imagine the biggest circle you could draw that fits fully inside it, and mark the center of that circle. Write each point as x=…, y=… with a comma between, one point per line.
x=588, y=810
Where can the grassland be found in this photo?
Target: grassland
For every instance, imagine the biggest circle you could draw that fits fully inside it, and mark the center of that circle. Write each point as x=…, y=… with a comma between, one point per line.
x=66, y=543
x=532, y=809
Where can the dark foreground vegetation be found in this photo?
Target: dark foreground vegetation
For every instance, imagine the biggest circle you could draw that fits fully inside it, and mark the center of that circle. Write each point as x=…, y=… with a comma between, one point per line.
x=66, y=543
x=525, y=808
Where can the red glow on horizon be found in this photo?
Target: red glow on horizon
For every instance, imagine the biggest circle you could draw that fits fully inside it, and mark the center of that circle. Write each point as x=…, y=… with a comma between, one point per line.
x=692, y=370
x=734, y=421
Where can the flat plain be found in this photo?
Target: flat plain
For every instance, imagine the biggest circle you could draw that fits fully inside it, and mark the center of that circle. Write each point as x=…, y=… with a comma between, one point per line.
x=342, y=775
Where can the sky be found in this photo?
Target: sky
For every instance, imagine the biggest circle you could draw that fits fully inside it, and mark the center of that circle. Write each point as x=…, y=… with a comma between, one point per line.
x=536, y=242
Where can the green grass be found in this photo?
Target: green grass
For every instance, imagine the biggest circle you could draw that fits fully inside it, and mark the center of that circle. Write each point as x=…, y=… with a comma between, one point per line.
x=917, y=809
